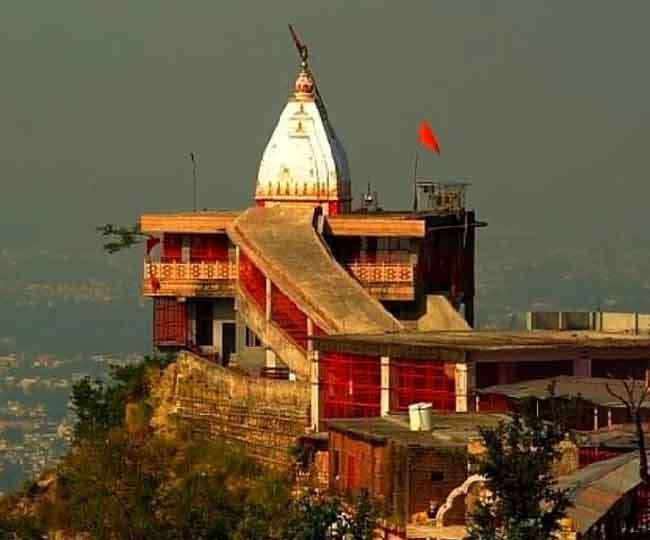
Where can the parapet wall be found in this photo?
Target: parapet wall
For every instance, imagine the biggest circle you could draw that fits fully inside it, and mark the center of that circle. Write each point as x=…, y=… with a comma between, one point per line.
x=263, y=416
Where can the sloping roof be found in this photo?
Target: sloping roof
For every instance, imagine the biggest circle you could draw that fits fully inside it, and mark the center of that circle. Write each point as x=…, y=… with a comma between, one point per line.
x=591, y=389
x=283, y=243
x=599, y=486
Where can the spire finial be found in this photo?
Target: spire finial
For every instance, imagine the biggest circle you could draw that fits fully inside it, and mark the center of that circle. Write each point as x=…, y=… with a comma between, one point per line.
x=302, y=48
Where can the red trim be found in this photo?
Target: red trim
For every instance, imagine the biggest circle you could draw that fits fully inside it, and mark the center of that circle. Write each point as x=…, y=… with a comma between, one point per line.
x=253, y=280
x=172, y=247
x=289, y=317
x=414, y=381
x=350, y=385
x=209, y=248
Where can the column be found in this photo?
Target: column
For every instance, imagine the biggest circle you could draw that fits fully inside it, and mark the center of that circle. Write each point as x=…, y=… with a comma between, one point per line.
x=186, y=243
x=385, y=386
x=315, y=392
x=270, y=360
x=464, y=379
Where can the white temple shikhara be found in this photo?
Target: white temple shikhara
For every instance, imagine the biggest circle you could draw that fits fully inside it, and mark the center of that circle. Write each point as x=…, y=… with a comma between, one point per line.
x=304, y=163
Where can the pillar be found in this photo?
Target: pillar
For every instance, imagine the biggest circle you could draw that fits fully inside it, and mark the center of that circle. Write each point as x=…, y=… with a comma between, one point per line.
x=385, y=386
x=186, y=243
x=464, y=375
x=270, y=359
x=596, y=418
x=315, y=391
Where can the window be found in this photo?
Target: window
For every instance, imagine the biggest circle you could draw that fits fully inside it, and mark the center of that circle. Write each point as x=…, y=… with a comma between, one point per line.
x=437, y=476
x=251, y=339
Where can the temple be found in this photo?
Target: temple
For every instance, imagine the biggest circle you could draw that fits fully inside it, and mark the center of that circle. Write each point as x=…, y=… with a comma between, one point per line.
x=307, y=314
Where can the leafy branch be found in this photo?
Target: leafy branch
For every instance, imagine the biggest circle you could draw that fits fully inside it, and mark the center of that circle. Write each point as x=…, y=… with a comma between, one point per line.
x=119, y=238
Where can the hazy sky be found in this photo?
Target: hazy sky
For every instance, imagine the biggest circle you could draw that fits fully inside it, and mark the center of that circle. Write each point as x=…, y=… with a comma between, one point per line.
x=543, y=106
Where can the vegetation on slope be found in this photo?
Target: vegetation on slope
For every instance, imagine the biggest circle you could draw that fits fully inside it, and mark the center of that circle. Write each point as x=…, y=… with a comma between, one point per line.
x=120, y=480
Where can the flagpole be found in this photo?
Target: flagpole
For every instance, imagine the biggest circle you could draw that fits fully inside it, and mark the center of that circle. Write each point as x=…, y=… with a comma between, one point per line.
x=194, y=175
x=415, y=181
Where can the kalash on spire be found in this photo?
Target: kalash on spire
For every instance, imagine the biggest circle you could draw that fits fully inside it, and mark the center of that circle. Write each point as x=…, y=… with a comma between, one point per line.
x=304, y=163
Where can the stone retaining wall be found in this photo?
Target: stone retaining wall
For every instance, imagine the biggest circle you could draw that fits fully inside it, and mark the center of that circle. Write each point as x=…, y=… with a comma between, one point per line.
x=264, y=416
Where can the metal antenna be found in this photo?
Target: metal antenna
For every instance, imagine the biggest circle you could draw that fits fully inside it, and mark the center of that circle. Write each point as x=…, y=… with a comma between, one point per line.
x=194, y=179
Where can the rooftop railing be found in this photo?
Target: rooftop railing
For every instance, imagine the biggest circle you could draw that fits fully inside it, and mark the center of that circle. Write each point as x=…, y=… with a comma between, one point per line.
x=440, y=196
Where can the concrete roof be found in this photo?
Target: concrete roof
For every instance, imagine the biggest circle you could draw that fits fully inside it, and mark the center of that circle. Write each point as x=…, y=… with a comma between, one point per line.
x=591, y=389
x=283, y=243
x=429, y=344
x=448, y=429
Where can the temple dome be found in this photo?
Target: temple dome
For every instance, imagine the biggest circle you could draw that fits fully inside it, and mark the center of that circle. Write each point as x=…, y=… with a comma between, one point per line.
x=304, y=162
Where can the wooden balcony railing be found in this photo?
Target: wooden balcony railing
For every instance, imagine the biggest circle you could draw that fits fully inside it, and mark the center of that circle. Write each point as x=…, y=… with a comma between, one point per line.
x=382, y=272
x=385, y=280
x=189, y=279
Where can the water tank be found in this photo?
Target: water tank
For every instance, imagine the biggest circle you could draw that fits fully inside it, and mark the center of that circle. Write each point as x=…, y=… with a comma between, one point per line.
x=421, y=416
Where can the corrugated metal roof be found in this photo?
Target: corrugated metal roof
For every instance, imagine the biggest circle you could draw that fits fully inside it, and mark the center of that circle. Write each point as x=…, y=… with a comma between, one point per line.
x=599, y=486
x=591, y=389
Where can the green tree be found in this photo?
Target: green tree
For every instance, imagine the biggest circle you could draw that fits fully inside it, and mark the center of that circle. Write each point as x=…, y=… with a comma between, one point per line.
x=100, y=406
x=120, y=237
x=524, y=501
x=363, y=522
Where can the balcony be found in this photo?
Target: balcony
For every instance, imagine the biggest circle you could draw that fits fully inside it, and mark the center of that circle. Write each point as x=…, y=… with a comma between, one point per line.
x=204, y=279
x=385, y=280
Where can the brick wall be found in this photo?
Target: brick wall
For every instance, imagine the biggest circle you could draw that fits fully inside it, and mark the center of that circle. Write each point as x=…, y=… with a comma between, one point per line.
x=356, y=464
x=434, y=472
x=406, y=478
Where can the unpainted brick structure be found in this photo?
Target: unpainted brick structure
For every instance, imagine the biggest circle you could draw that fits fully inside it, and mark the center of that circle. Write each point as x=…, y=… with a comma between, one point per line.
x=407, y=476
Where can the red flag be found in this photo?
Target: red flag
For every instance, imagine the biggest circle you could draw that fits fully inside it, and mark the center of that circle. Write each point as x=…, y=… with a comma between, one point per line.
x=428, y=138
x=152, y=241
